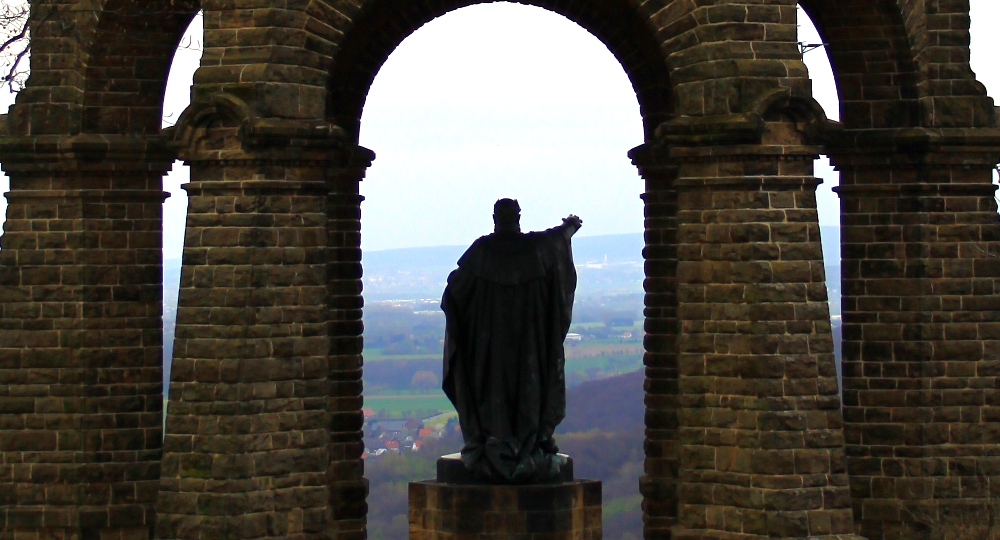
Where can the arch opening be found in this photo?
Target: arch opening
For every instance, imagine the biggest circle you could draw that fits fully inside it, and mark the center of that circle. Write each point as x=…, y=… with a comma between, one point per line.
x=6, y=100
x=16, y=64
x=177, y=97
x=825, y=92
x=984, y=42
x=378, y=32
x=548, y=121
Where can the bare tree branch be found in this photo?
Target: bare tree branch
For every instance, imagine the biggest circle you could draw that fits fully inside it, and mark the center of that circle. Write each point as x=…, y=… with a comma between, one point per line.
x=15, y=36
x=14, y=49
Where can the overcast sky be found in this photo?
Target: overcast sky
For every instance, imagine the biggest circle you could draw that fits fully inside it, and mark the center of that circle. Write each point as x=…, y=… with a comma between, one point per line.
x=506, y=100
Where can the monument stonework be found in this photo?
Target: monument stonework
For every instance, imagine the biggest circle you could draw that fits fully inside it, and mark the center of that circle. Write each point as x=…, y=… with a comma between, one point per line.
x=747, y=435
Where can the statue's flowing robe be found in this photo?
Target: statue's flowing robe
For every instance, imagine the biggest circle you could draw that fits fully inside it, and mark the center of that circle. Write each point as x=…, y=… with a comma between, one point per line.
x=508, y=308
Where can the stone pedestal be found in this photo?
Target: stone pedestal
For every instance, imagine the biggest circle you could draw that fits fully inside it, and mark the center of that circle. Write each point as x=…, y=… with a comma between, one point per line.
x=445, y=510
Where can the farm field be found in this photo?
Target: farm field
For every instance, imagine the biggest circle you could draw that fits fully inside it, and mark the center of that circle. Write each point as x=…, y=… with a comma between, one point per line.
x=409, y=405
x=593, y=357
x=376, y=355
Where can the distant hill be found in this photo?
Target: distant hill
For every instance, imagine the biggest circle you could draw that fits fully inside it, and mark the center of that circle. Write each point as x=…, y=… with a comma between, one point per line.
x=611, y=405
x=586, y=249
x=609, y=264
x=611, y=248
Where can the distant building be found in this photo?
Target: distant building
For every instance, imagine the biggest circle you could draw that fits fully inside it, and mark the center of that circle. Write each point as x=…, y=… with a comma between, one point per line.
x=574, y=337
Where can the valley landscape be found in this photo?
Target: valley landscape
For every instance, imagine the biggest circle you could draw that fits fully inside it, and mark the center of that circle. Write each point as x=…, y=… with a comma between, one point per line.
x=409, y=422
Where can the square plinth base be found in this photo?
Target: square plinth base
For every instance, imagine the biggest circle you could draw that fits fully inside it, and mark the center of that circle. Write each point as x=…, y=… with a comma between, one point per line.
x=566, y=511
x=451, y=471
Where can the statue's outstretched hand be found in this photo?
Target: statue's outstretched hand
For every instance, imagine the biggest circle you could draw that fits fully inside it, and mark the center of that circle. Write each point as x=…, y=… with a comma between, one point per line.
x=573, y=223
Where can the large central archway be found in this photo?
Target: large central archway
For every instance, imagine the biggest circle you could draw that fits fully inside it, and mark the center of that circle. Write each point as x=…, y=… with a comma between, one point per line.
x=378, y=30
x=460, y=115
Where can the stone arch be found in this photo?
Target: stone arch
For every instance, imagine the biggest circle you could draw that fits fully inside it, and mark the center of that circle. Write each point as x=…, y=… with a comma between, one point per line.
x=129, y=58
x=381, y=26
x=373, y=35
x=876, y=76
x=900, y=63
x=100, y=67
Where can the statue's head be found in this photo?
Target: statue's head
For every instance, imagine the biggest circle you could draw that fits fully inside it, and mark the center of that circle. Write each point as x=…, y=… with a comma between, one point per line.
x=507, y=215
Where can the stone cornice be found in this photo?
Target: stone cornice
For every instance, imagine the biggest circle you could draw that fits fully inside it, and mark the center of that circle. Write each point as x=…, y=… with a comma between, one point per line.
x=127, y=195
x=256, y=187
x=914, y=190
x=238, y=137
x=743, y=182
x=85, y=154
x=945, y=147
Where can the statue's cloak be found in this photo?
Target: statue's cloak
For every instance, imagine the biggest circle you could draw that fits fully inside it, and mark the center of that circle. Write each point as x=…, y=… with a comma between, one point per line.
x=508, y=308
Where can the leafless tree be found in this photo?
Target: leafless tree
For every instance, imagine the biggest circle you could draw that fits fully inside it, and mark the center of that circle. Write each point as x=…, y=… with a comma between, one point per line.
x=14, y=41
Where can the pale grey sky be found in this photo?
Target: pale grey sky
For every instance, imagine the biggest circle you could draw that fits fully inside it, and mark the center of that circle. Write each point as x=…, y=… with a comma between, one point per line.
x=502, y=100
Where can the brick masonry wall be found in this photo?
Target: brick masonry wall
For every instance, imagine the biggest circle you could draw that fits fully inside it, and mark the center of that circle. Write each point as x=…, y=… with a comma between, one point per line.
x=348, y=487
x=762, y=448
x=246, y=450
x=921, y=336
x=81, y=338
x=662, y=445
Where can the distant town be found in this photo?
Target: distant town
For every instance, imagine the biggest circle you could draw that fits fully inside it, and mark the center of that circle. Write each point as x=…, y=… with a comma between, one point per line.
x=404, y=325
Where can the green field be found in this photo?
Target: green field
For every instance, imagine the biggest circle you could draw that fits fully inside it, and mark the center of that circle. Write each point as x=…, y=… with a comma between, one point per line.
x=403, y=406
x=398, y=405
x=374, y=355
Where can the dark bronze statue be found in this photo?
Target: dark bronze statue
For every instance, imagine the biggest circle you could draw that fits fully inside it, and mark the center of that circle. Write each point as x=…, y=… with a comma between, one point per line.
x=508, y=308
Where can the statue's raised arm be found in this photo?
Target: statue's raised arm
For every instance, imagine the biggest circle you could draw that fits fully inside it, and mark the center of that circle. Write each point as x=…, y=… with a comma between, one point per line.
x=572, y=224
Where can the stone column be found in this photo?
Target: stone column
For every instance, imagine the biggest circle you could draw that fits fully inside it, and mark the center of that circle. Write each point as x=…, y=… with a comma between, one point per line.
x=348, y=487
x=921, y=308
x=662, y=446
x=247, y=445
x=81, y=336
x=762, y=447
